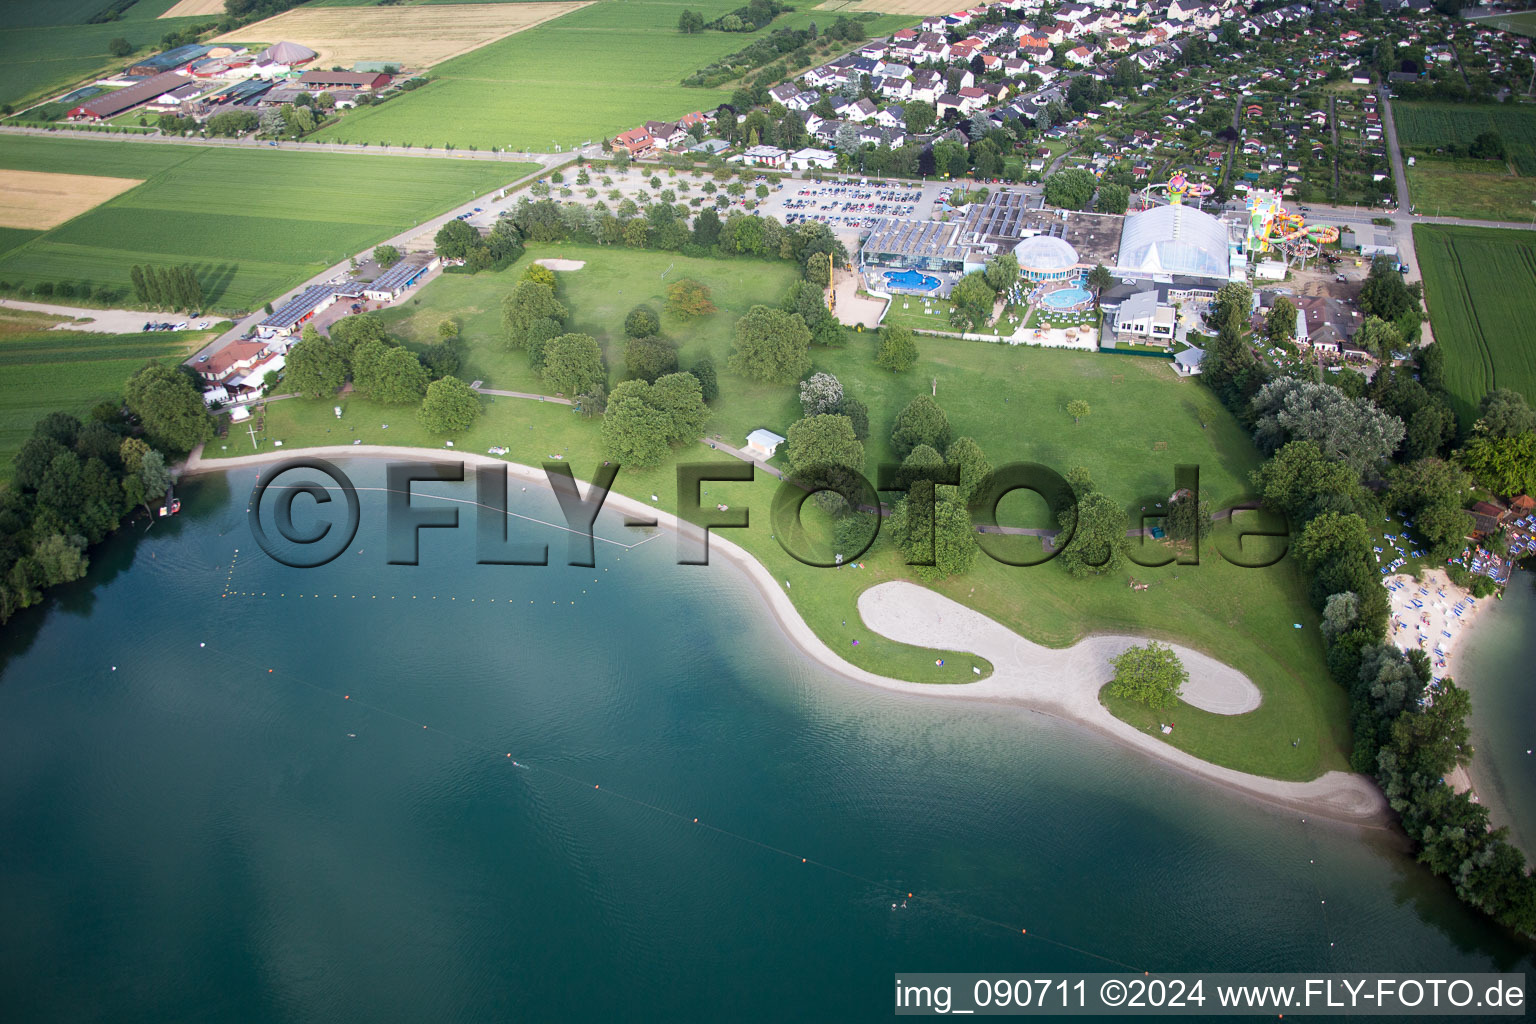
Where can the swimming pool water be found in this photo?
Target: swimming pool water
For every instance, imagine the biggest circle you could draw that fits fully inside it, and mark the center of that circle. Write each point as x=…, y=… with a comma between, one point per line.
x=910, y=279
x=1066, y=298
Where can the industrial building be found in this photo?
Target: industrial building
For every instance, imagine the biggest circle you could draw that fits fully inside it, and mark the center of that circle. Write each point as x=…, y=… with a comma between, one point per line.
x=170, y=60
x=393, y=283
x=322, y=81
x=297, y=311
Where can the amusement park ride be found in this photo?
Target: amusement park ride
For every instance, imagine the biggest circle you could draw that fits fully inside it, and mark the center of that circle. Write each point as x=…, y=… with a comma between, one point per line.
x=1177, y=188
x=1273, y=228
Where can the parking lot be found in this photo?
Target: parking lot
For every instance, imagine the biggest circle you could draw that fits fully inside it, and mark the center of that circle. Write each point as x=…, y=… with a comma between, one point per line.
x=851, y=209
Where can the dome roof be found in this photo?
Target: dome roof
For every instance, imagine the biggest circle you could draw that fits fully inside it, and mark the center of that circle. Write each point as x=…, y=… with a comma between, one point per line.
x=1174, y=239
x=1045, y=254
x=287, y=53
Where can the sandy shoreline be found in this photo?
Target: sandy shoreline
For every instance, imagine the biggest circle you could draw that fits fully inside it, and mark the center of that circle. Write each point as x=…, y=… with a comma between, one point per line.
x=1060, y=683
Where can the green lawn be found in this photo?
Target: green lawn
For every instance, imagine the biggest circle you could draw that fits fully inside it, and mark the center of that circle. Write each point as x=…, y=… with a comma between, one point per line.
x=46, y=371
x=1474, y=189
x=1522, y=23
x=593, y=73
x=1144, y=422
x=1428, y=125
x=253, y=223
x=1478, y=284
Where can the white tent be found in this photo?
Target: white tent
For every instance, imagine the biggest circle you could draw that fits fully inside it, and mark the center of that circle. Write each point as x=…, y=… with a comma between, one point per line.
x=286, y=53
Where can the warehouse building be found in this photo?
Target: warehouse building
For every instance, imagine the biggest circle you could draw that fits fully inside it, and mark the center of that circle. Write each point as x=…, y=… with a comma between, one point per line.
x=170, y=60
x=393, y=283
x=113, y=103
x=296, y=312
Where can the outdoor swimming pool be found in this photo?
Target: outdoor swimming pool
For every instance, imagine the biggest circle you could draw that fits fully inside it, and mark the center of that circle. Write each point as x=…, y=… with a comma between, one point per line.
x=1067, y=298
x=910, y=280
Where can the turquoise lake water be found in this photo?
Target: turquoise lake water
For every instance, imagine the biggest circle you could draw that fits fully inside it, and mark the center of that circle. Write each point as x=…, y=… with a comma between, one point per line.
x=195, y=837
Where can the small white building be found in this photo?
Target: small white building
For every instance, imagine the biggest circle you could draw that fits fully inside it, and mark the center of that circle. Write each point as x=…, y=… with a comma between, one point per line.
x=762, y=443
x=765, y=156
x=1187, y=362
x=805, y=159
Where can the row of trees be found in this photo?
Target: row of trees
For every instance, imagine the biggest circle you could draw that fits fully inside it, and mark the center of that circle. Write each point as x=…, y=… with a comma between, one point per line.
x=1341, y=452
x=166, y=287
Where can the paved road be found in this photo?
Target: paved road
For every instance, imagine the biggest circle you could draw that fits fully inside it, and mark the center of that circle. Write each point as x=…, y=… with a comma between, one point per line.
x=355, y=148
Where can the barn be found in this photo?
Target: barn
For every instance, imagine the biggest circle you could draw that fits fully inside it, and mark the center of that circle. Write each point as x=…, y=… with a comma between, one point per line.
x=111, y=104
x=320, y=81
x=170, y=60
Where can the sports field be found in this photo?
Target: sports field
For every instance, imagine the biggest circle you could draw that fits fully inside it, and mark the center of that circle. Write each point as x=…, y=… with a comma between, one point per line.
x=1427, y=125
x=252, y=222
x=45, y=47
x=415, y=37
x=70, y=371
x=1478, y=284
x=593, y=73
x=41, y=199
x=1522, y=23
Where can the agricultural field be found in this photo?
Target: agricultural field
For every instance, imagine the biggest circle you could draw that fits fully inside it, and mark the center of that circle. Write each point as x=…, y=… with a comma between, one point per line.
x=1425, y=126
x=46, y=370
x=1478, y=284
x=917, y=7
x=253, y=223
x=13, y=238
x=593, y=73
x=47, y=47
x=412, y=36
x=41, y=199
x=1473, y=189
x=195, y=8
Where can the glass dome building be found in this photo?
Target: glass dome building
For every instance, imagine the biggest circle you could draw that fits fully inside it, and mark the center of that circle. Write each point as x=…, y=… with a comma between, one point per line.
x=1046, y=258
x=1174, y=240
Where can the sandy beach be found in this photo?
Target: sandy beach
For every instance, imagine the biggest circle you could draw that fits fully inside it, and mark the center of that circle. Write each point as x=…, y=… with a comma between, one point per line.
x=1061, y=683
x=1434, y=615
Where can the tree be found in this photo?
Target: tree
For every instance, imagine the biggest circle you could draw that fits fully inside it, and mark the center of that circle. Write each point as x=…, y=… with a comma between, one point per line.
x=386, y=255
x=690, y=22
x=936, y=537
x=1378, y=337
x=1097, y=545
x=447, y=328
x=967, y=457
x=388, y=373
x=1432, y=492
x=1099, y=278
x=973, y=298
x=530, y=302
x=823, y=440
x=119, y=47
x=450, y=406
x=1487, y=146
x=898, y=348
x=1280, y=322
x=131, y=454
x=858, y=415
x=573, y=363
x=771, y=345
x=643, y=420
x=649, y=358
x=1340, y=614
x=682, y=399
x=314, y=366
x=918, y=116
x=170, y=408
x=1504, y=413
x=1152, y=675
x=1077, y=409
x=1505, y=465
x=820, y=393
x=1352, y=430
x=687, y=298
x=704, y=372
x=641, y=322
x=921, y=422
x=1001, y=273
x=1071, y=189
x=454, y=239
x=818, y=269
x=1113, y=198
x=351, y=331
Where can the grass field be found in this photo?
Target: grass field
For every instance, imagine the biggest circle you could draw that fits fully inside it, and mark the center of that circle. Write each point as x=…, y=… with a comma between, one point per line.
x=252, y=222
x=412, y=36
x=1522, y=23
x=70, y=371
x=1011, y=399
x=46, y=47
x=593, y=73
x=1475, y=189
x=1429, y=125
x=1478, y=284
x=12, y=238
